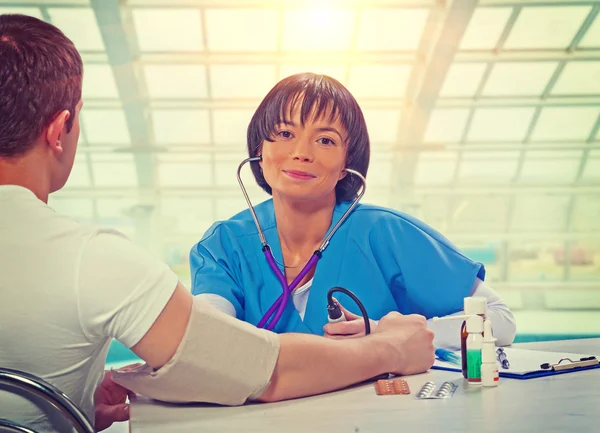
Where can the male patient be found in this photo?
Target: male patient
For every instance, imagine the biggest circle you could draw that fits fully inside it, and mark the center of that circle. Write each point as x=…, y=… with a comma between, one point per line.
x=68, y=289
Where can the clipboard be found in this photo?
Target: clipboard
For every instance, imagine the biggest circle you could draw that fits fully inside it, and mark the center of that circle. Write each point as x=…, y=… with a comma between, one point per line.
x=529, y=364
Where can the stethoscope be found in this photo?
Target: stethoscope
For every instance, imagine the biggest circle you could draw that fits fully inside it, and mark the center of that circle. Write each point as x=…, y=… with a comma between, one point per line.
x=279, y=305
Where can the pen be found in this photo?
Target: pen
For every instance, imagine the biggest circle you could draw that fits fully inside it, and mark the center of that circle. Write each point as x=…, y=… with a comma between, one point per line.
x=502, y=358
x=448, y=356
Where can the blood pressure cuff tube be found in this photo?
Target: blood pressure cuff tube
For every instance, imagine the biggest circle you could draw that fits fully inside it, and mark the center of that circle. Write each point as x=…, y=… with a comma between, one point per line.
x=219, y=360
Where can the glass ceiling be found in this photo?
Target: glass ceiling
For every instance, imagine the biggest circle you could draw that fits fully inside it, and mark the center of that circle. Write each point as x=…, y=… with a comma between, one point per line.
x=484, y=116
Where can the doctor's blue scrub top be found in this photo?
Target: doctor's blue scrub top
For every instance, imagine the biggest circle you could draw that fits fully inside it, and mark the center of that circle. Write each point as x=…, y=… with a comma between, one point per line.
x=390, y=260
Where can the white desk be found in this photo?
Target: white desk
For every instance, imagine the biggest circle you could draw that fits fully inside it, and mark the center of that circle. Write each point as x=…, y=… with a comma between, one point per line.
x=561, y=403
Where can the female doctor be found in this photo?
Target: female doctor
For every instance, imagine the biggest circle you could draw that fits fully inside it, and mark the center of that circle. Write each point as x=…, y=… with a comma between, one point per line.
x=307, y=131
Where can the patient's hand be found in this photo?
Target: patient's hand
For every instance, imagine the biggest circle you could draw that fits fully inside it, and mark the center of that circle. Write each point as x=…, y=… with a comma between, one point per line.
x=110, y=402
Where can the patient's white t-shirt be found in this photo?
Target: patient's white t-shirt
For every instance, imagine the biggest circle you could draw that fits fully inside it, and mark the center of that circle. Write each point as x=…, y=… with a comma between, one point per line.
x=65, y=291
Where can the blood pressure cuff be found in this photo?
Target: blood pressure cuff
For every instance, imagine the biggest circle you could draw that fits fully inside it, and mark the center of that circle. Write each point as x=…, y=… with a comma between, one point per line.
x=219, y=360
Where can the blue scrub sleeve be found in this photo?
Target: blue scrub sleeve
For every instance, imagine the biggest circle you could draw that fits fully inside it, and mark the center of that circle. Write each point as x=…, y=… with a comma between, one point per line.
x=426, y=273
x=213, y=268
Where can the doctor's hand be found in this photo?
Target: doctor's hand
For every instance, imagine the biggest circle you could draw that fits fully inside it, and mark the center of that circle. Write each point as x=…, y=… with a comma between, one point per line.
x=110, y=402
x=408, y=343
x=353, y=326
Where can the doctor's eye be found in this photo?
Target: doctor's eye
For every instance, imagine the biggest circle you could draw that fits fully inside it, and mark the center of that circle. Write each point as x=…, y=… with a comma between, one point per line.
x=326, y=141
x=285, y=134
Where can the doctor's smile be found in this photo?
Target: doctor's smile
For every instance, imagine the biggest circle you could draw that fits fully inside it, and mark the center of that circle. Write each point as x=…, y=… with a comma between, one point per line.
x=299, y=175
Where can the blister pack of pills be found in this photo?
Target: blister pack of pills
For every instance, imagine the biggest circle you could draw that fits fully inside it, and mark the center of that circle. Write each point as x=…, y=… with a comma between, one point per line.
x=391, y=387
x=446, y=390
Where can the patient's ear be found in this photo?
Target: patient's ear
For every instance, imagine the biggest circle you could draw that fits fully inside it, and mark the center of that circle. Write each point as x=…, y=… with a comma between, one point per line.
x=55, y=129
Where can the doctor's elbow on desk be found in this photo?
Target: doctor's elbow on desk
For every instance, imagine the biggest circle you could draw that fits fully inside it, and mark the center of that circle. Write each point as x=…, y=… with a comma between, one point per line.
x=506, y=328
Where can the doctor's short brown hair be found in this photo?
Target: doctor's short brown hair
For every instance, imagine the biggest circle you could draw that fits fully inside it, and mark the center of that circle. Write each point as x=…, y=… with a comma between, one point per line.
x=318, y=95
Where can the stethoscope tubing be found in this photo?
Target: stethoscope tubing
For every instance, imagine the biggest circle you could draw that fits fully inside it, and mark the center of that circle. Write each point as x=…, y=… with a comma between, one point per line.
x=280, y=303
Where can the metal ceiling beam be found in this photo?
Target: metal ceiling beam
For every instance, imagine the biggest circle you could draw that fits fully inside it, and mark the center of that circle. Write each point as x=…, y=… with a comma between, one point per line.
x=209, y=95
x=420, y=191
x=401, y=4
x=532, y=55
x=589, y=20
x=345, y=57
x=535, y=118
x=594, y=132
x=45, y=14
x=222, y=4
x=365, y=103
x=592, y=16
x=89, y=167
x=508, y=146
x=586, y=154
x=353, y=41
x=573, y=45
x=572, y=205
x=439, y=44
x=382, y=149
x=489, y=190
x=40, y=3
x=274, y=57
x=119, y=38
x=279, y=44
x=535, y=3
x=545, y=100
x=478, y=95
x=280, y=3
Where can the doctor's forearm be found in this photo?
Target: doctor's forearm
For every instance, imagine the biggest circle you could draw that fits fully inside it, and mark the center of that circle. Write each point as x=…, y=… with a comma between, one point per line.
x=310, y=364
x=447, y=333
x=505, y=327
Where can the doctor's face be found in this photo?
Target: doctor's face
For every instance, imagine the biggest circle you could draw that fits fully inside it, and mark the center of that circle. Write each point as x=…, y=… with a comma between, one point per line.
x=305, y=161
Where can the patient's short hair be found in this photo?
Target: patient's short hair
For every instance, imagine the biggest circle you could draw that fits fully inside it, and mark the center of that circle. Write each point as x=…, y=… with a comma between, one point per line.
x=40, y=75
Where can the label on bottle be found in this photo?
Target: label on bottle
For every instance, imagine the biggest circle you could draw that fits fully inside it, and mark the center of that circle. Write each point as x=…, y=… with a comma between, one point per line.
x=474, y=365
